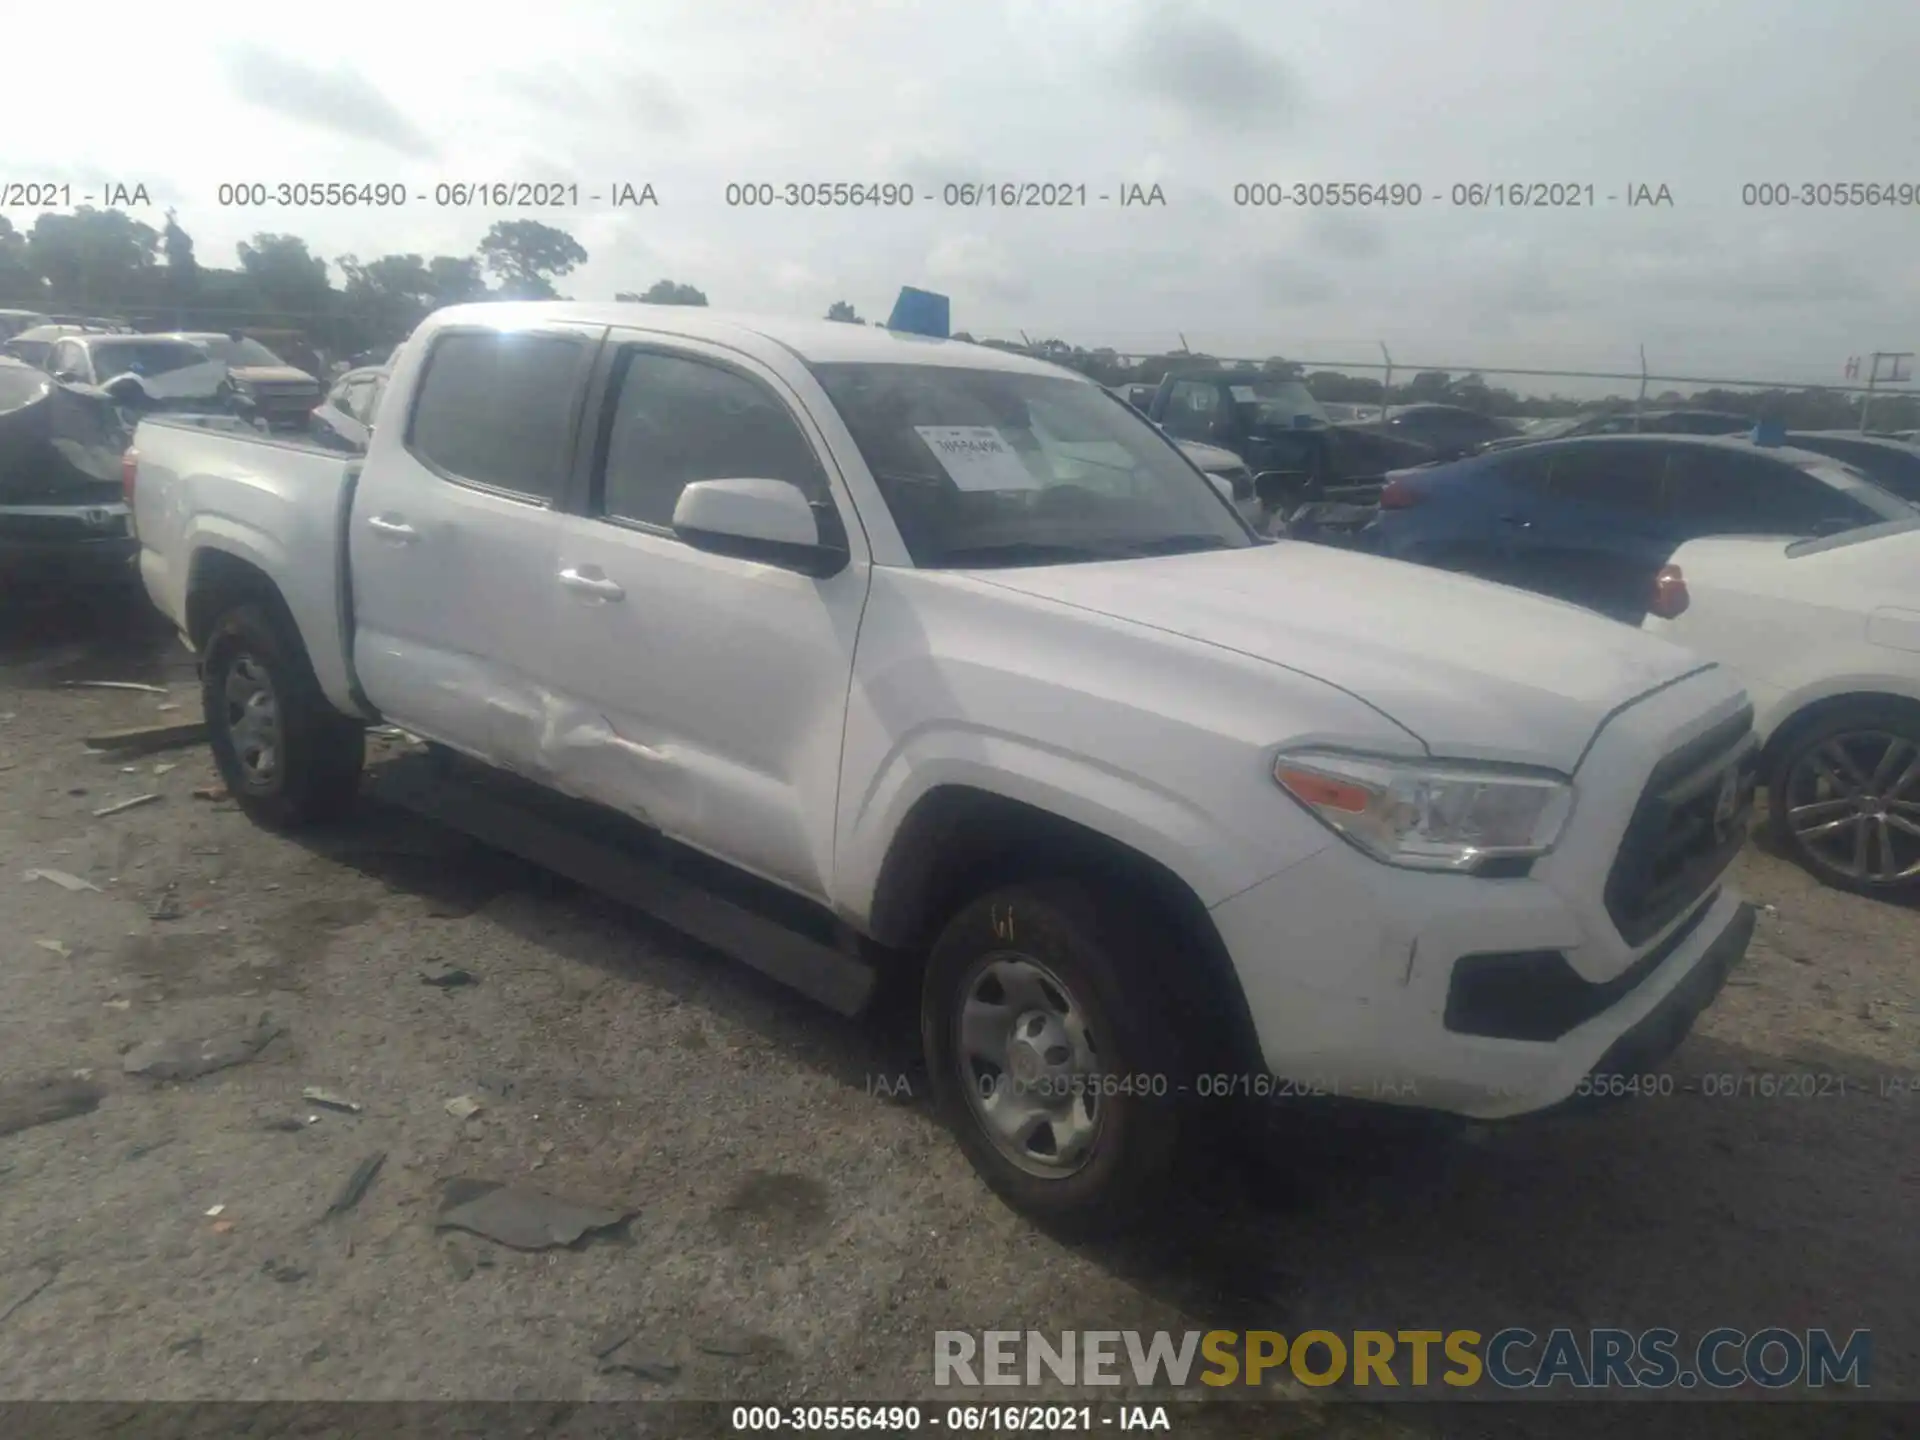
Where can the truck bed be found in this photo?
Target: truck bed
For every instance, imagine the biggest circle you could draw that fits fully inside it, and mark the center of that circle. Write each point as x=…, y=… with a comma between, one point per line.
x=210, y=490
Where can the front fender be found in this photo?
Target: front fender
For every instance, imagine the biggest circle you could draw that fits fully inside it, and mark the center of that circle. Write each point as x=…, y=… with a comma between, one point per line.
x=1136, y=811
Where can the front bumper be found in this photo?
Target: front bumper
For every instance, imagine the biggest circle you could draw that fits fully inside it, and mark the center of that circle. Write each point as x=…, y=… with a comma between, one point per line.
x=1349, y=996
x=1660, y=1031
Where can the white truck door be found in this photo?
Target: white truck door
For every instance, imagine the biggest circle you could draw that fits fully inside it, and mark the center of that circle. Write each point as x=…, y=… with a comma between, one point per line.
x=451, y=539
x=707, y=694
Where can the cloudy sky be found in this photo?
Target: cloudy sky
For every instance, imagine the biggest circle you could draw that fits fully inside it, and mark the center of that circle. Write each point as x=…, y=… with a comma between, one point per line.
x=1195, y=96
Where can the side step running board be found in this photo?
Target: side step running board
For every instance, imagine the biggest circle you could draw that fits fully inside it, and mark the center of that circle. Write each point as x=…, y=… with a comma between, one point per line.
x=822, y=972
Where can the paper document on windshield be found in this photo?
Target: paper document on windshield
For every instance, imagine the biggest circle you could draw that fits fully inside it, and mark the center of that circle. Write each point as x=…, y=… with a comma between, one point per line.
x=977, y=457
x=1243, y=394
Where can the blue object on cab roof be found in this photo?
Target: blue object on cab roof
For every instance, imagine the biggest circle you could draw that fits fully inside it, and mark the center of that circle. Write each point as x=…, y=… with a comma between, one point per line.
x=1769, y=432
x=921, y=312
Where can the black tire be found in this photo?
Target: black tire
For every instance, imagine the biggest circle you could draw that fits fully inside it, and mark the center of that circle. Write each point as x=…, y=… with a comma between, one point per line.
x=1861, y=732
x=314, y=775
x=1103, y=951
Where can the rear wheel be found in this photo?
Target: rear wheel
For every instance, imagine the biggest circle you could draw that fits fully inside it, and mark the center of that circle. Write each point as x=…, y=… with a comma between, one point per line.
x=288, y=757
x=1050, y=1055
x=1843, y=797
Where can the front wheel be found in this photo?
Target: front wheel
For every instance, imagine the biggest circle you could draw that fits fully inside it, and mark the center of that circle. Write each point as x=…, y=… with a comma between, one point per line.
x=1050, y=1055
x=1843, y=798
x=288, y=757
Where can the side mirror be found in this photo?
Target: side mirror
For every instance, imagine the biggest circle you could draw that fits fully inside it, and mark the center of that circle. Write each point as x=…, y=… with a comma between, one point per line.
x=766, y=520
x=1223, y=485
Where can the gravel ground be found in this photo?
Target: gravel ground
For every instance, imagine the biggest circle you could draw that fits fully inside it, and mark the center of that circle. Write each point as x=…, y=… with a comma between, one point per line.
x=798, y=1230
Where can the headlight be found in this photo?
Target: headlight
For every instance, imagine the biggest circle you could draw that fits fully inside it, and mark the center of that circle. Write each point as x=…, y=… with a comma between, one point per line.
x=1428, y=815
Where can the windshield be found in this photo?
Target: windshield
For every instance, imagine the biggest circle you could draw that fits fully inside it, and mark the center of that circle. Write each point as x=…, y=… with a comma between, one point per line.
x=112, y=358
x=1275, y=401
x=33, y=352
x=993, y=467
x=239, y=352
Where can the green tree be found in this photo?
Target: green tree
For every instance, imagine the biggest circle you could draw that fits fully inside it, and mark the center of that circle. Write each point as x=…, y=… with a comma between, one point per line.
x=843, y=310
x=456, y=280
x=20, y=287
x=671, y=292
x=526, y=257
x=292, y=281
x=183, y=271
x=94, y=259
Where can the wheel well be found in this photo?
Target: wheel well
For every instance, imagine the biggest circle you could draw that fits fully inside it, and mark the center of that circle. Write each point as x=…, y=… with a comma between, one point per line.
x=217, y=583
x=1803, y=719
x=958, y=842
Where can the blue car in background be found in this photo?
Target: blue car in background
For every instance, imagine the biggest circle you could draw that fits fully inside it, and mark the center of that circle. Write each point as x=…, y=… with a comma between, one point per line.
x=1591, y=520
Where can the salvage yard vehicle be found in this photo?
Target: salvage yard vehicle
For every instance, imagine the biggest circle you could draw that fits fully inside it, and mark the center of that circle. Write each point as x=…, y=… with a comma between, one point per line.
x=63, y=518
x=1274, y=424
x=156, y=368
x=1450, y=431
x=1695, y=538
x=858, y=655
x=1826, y=634
x=12, y=322
x=283, y=395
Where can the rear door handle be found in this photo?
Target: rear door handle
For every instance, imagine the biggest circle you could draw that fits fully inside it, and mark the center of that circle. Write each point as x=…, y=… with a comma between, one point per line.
x=597, y=586
x=1519, y=522
x=393, y=529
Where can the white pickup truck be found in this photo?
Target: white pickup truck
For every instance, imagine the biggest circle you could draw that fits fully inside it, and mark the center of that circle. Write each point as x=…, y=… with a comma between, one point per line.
x=850, y=651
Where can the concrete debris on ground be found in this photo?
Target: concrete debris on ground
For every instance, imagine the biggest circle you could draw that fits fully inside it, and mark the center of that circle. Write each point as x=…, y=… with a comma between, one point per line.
x=62, y=879
x=738, y=1345
x=144, y=739
x=122, y=806
x=464, y=1107
x=447, y=977
x=188, y=1058
x=58, y=947
x=521, y=1217
x=357, y=1183
x=113, y=685
x=316, y=1095
x=25, y=1104
x=282, y=1272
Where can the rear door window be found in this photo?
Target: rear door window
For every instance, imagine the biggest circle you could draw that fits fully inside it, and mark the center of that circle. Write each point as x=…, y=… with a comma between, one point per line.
x=496, y=408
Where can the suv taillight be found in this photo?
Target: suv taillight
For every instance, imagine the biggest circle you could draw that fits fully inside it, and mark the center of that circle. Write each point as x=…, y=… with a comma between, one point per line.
x=1400, y=495
x=129, y=470
x=1670, y=598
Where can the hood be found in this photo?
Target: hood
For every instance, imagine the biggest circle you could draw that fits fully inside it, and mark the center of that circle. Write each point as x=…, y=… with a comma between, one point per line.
x=272, y=375
x=1475, y=670
x=190, y=382
x=1210, y=457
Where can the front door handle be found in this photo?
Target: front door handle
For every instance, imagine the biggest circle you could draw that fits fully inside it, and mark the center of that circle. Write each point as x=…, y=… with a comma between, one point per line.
x=392, y=529
x=1519, y=522
x=597, y=586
